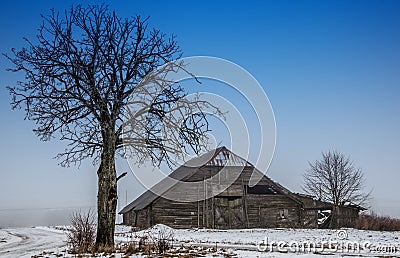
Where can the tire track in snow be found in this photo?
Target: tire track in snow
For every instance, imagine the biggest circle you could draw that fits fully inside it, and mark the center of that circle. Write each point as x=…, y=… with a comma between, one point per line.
x=31, y=241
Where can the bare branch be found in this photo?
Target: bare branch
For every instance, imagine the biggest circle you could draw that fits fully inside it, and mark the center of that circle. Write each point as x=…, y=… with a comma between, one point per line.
x=121, y=176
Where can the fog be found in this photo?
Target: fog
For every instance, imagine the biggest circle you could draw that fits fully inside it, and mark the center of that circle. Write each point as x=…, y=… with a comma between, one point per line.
x=37, y=217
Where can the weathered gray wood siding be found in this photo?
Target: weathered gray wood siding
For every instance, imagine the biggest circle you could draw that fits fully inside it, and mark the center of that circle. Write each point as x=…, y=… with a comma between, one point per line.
x=174, y=214
x=272, y=211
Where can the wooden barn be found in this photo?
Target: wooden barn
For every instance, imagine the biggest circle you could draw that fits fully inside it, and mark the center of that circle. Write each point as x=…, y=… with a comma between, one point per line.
x=227, y=205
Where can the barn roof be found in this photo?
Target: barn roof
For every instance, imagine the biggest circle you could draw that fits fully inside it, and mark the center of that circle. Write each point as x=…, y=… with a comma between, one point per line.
x=319, y=204
x=218, y=157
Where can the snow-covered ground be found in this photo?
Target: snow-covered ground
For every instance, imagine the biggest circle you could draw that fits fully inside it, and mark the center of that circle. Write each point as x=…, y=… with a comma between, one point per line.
x=26, y=242
x=50, y=242
x=284, y=242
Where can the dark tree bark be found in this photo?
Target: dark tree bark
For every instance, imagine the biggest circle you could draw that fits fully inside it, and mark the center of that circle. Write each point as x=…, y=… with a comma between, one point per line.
x=80, y=73
x=107, y=192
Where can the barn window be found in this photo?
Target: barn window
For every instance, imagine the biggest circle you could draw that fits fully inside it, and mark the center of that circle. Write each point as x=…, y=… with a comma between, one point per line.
x=284, y=214
x=261, y=189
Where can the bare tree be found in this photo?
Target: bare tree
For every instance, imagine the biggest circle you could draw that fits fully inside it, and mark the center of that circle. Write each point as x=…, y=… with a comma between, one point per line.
x=335, y=179
x=80, y=73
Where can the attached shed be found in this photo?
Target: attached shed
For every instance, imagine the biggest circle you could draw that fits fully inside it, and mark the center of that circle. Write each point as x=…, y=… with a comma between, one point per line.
x=241, y=204
x=322, y=214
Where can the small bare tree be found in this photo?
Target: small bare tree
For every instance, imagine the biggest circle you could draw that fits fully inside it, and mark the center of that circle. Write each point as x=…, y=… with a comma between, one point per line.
x=335, y=179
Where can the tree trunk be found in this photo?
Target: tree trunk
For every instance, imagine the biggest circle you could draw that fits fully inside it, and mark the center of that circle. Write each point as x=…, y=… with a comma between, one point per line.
x=107, y=194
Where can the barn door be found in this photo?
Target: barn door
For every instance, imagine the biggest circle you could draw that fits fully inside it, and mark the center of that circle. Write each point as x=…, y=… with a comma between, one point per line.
x=229, y=213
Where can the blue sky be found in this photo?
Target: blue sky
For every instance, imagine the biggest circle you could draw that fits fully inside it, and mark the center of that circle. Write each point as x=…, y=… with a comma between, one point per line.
x=330, y=69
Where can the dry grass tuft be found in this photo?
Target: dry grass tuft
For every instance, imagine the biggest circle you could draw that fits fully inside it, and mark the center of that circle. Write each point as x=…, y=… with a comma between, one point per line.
x=378, y=223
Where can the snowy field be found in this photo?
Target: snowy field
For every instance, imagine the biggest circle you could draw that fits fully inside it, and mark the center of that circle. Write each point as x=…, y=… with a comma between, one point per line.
x=50, y=242
x=26, y=242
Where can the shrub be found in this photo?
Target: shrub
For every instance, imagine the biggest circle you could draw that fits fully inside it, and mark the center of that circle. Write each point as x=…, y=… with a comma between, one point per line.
x=82, y=234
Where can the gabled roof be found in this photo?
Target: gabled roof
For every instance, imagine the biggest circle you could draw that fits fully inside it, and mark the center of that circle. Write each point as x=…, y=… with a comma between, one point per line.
x=219, y=157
